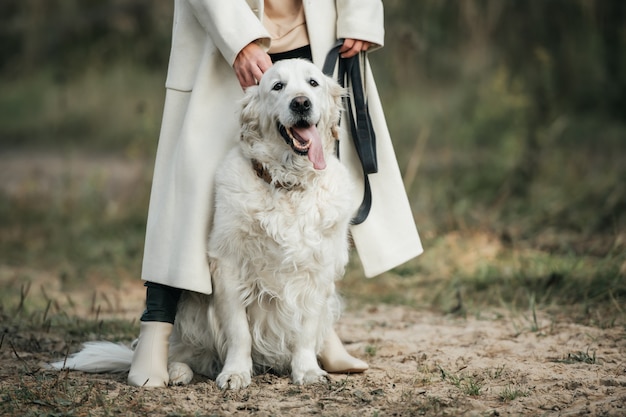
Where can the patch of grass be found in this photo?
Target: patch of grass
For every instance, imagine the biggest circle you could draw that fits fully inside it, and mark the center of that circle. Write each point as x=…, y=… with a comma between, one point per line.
x=37, y=390
x=472, y=387
x=58, y=394
x=579, y=357
x=29, y=318
x=510, y=393
x=469, y=385
x=473, y=270
x=533, y=309
x=54, y=392
x=497, y=373
x=425, y=376
x=370, y=350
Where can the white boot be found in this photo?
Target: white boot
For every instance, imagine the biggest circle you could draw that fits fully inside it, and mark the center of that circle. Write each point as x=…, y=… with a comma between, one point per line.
x=149, y=365
x=336, y=359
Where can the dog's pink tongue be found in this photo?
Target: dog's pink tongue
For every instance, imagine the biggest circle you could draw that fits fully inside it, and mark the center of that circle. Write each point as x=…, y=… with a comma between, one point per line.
x=316, y=152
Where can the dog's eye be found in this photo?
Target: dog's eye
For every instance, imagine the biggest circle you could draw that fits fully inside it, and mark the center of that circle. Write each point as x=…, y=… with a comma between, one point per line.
x=313, y=83
x=278, y=86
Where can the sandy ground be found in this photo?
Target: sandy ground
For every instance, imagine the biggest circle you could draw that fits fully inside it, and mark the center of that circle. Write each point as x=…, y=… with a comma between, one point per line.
x=442, y=359
x=422, y=363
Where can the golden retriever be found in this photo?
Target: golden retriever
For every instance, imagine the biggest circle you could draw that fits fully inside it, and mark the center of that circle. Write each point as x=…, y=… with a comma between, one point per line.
x=278, y=243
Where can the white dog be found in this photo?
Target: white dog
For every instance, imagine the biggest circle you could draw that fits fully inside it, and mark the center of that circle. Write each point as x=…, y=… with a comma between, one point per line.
x=278, y=244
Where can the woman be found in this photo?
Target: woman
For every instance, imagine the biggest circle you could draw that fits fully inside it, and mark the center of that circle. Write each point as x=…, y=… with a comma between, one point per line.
x=218, y=49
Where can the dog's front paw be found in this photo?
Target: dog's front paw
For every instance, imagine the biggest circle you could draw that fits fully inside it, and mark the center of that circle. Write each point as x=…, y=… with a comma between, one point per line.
x=180, y=373
x=310, y=376
x=233, y=380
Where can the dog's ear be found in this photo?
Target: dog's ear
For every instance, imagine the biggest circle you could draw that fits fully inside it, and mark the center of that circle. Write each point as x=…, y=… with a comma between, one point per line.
x=335, y=95
x=249, y=115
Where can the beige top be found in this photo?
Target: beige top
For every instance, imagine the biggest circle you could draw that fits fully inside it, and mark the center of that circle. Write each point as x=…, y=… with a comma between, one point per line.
x=284, y=20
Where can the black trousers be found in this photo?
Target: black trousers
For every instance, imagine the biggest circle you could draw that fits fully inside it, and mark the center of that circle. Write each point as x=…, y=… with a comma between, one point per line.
x=162, y=300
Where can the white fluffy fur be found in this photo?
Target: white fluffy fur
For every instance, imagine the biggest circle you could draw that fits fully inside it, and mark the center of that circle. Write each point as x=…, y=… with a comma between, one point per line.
x=98, y=357
x=275, y=251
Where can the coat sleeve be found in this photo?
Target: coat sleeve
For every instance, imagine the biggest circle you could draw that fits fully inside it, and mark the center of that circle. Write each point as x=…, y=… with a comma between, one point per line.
x=231, y=24
x=361, y=19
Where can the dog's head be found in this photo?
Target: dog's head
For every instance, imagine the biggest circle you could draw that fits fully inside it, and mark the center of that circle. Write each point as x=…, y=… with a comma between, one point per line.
x=292, y=115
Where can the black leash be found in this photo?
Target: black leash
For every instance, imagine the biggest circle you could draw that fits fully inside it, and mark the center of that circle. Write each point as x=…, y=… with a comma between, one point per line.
x=363, y=136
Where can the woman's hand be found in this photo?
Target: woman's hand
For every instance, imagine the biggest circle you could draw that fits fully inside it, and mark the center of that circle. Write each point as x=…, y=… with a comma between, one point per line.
x=250, y=64
x=351, y=47
x=252, y=61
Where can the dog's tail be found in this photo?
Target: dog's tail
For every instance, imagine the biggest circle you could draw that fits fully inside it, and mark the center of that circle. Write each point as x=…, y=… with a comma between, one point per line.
x=98, y=357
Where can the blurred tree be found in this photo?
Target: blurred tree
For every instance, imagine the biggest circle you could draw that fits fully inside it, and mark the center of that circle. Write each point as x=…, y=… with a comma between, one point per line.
x=611, y=21
x=564, y=59
x=566, y=56
x=569, y=58
x=570, y=54
x=71, y=35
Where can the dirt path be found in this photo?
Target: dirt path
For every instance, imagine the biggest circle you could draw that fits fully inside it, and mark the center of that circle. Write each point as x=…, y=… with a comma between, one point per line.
x=425, y=364
x=421, y=364
x=477, y=365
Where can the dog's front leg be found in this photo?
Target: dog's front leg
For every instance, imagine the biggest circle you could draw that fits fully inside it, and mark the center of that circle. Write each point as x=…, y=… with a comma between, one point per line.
x=231, y=313
x=304, y=366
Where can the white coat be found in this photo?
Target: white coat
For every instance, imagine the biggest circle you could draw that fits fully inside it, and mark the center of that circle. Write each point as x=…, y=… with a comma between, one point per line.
x=200, y=124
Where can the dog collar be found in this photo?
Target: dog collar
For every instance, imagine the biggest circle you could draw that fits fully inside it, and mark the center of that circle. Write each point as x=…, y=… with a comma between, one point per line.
x=264, y=174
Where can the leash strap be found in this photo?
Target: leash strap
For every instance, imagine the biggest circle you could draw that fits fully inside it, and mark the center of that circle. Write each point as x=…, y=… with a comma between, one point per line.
x=349, y=75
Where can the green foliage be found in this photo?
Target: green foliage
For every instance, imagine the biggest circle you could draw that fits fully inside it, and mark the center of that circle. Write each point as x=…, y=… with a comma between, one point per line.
x=117, y=109
x=71, y=35
x=568, y=56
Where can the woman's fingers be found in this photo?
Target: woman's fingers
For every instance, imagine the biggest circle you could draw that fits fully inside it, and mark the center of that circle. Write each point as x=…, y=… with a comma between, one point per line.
x=351, y=47
x=250, y=64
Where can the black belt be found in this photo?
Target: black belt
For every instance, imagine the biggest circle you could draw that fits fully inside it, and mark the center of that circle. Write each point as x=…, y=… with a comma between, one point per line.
x=363, y=136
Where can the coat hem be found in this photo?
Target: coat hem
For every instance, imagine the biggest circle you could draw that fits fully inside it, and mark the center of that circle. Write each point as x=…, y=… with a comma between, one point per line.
x=393, y=259
x=192, y=282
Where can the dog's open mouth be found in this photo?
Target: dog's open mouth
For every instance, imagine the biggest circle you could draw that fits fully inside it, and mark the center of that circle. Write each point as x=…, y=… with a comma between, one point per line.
x=304, y=139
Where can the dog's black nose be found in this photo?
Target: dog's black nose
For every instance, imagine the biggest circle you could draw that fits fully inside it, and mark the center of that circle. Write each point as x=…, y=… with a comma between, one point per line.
x=300, y=104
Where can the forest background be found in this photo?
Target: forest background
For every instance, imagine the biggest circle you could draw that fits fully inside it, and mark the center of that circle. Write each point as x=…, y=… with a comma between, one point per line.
x=508, y=119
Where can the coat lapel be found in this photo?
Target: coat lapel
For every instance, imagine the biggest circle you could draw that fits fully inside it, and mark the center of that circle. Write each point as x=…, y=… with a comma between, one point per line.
x=320, y=14
x=257, y=7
